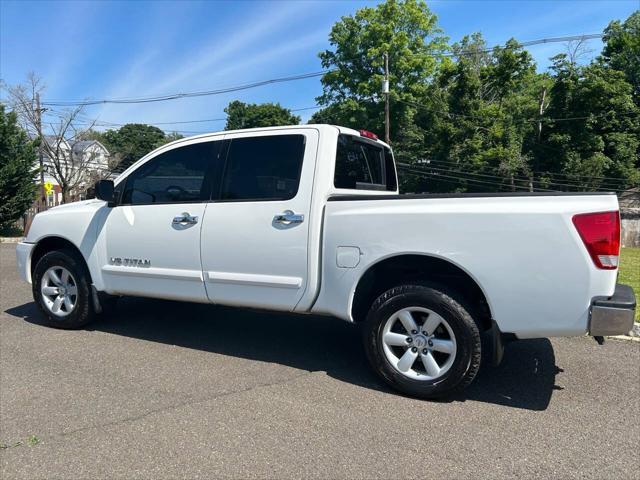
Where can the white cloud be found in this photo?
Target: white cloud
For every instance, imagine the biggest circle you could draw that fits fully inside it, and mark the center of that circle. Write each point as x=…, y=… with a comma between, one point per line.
x=202, y=65
x=212, y=107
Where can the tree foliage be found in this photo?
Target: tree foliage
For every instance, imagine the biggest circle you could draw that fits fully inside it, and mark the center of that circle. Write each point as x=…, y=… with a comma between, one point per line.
x=602, y=138
x=17, y=160
x=407, y=31
x=478, y=112
x=480, y=119
x=133, y=141
x=622, y=50
x=251, y=115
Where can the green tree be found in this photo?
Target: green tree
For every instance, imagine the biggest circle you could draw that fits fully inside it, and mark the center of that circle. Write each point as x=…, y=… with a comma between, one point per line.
x=622, y=50
x=131, y=142
x=251, y=115
x=172, y=137
x=347, y=113
x=483, y=119
x=17, y=158
x=593, y=126
x=478, y=124
x=407, y=31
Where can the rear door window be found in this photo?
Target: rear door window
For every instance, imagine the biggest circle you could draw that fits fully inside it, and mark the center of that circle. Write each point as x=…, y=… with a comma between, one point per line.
x=263, y=168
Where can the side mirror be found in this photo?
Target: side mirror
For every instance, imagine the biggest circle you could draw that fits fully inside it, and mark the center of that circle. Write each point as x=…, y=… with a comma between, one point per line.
x=104, y=191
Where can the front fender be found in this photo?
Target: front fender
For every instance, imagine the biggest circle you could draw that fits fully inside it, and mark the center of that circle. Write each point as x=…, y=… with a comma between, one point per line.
x=77, y=224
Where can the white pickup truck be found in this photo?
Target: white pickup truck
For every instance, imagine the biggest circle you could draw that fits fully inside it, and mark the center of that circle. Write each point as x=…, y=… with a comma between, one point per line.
x=309, y=219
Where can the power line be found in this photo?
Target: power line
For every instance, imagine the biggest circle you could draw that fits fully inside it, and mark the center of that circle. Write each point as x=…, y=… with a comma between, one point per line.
x=569, y=38
x=447, y=164
x=453, y=182
x=529, y=43
x=457, y=172
x=464, y=176
x=526, y=120
x=174, y=96
x=103, y=123
x=457, y=180
x=568, y=182
x=180, y=122
x=616, y=179
x=476, y=182
x=456, y=177
x=524, y=179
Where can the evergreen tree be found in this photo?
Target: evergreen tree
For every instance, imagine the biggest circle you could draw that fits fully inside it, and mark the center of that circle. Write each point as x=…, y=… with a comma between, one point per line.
x=17, y=159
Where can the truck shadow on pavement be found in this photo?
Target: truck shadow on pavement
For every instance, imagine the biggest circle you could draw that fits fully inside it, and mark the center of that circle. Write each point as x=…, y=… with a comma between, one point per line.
x=525, y=379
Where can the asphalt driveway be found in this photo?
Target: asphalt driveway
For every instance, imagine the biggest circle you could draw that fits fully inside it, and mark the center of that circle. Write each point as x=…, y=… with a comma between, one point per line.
x=164, y=390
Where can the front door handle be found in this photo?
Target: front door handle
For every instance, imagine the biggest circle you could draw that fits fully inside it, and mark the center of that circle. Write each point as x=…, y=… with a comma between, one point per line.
x=185, y=219
x=288, y=217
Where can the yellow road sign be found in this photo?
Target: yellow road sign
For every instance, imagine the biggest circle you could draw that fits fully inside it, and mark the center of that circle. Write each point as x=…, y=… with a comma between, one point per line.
x=48, y=187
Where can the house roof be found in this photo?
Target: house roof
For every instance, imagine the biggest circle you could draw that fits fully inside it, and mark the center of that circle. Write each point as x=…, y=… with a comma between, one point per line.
x=53, y=141
x=77, y=147
x=81, y=146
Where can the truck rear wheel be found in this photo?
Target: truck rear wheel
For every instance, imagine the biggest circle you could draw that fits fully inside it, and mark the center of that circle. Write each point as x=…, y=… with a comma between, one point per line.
x=422, y=341
x=62, y=290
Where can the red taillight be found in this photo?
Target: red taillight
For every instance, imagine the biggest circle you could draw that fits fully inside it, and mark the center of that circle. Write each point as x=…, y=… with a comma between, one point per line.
x=368, y=134
x=600, y=233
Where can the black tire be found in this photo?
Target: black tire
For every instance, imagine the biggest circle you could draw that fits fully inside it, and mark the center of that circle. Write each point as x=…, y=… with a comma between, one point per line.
x=450, y=307
x=82, y=312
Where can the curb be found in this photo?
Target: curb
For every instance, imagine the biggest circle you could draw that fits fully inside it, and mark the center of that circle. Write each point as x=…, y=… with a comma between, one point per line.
x=11, y=239
x=626, y=338
x=633, y=335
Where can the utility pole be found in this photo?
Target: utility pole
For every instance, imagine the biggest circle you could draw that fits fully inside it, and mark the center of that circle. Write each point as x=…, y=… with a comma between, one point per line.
x=43, y=197
x=385, y=91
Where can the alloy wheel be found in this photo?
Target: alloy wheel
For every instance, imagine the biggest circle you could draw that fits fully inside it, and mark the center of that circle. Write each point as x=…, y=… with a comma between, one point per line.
x=419, y=343
x=59, y=291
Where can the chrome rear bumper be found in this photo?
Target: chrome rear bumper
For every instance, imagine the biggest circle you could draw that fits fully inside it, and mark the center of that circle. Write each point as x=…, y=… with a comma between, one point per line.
x=613, y=315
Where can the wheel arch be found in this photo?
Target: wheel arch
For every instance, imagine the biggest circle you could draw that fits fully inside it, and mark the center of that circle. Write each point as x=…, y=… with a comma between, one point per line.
x=396, y=269
x=54, y=242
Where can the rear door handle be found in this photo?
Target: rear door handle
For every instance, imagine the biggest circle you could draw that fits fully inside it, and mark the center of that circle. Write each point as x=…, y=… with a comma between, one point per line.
x=185, y=219
x=288, y=217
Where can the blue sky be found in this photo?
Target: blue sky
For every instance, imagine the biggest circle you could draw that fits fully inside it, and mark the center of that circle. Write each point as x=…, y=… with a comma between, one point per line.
x=118, y=49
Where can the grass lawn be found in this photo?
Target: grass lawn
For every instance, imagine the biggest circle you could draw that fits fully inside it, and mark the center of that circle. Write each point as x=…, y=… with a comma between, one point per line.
x=630, y=271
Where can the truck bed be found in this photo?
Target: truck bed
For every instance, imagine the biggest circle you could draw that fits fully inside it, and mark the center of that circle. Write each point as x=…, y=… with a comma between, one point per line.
x=521, y=248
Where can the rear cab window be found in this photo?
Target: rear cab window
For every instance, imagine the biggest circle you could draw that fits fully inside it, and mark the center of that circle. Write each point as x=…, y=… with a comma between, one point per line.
x=363, y=164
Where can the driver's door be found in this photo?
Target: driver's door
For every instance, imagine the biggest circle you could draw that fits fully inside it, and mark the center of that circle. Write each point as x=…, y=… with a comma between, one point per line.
x=151, y=239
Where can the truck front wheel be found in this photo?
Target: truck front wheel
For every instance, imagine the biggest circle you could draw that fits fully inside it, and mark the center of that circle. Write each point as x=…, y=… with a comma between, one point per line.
x=422, y=341
x=62, y=290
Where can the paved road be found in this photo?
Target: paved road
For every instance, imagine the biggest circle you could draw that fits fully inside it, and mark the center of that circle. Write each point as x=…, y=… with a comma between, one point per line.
x=163, y=390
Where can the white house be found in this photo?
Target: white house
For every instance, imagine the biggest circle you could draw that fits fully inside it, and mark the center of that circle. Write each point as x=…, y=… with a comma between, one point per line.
x=91, y=156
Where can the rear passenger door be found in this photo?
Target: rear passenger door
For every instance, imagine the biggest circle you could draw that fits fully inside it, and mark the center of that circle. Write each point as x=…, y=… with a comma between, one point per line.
x=255, y=232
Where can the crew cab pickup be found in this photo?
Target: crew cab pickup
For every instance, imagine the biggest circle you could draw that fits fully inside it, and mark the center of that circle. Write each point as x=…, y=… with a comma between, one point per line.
x=309, y=219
